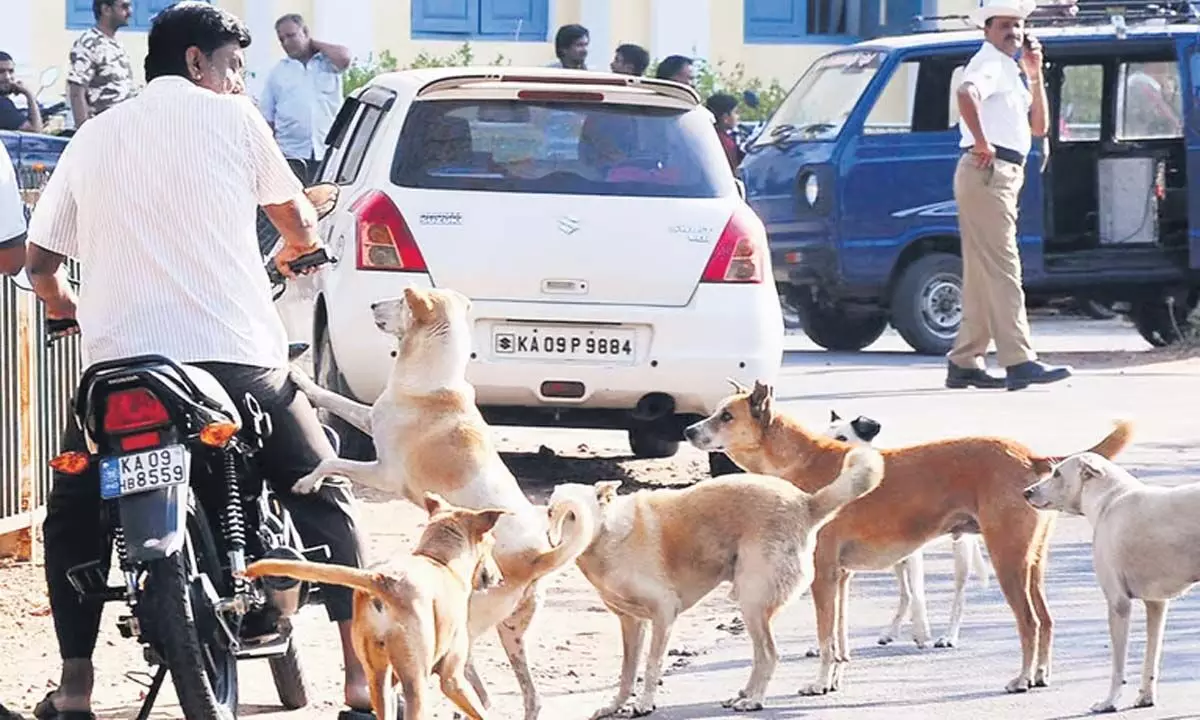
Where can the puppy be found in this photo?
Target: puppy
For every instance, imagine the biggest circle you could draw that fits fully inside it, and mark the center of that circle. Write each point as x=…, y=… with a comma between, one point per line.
x=430, y=437
x=654, y=554
x=1143, y=547
x=910, y=572
x=412, y=622
x=971, y=484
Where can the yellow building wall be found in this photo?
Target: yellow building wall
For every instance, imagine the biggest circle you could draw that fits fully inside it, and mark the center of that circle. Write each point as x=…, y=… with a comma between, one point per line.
x=784, y=63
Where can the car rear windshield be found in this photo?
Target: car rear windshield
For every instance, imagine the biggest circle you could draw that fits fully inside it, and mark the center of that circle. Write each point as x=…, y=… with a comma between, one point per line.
x=566, y=148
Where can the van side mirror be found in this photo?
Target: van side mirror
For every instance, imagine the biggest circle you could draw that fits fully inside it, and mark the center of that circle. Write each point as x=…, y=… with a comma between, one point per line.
x=324, y=197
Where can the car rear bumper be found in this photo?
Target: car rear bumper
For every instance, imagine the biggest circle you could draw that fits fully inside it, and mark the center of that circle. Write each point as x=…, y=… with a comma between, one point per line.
x=688, y=353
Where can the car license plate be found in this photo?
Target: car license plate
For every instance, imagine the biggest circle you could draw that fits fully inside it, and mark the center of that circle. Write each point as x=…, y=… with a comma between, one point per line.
x=564, y=343
x=143, y=471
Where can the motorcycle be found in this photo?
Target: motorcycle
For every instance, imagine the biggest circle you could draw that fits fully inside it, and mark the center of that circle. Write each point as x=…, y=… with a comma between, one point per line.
x=188, y=512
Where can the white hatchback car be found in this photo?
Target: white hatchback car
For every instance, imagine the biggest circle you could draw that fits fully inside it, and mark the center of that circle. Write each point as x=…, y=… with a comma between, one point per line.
x=617, y=276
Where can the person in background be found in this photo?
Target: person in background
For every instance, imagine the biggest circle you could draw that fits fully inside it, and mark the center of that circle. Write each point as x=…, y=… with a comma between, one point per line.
x=12, y=220
x=101, y=75
x=723, y=106
x=303, y=94
x=12, y=118
x=630, y=59
x=678, y=68
x=571, y=47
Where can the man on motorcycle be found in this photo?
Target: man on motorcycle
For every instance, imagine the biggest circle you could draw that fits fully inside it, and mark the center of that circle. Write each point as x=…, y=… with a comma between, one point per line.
x=157, y=199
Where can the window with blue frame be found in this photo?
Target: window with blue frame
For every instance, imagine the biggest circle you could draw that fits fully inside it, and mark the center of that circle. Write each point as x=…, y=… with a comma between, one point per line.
x=80, y=17
x=496, y=19
x=823, y=21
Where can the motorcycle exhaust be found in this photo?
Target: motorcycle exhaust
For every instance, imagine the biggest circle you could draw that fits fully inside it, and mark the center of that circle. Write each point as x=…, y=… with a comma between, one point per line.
x=287, y=595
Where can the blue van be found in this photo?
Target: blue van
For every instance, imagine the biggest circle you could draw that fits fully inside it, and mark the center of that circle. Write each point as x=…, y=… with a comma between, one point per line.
x=852, y=176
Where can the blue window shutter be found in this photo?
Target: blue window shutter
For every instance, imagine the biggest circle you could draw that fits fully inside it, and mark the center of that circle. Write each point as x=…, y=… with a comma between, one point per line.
x=899, y=15
x=775, y=19
x=145, y=10
x=445, y=17
x=79, y=14
x=523, y=19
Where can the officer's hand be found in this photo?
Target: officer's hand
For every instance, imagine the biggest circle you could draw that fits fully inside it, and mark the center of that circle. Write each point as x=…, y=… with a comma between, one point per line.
x=984, y=154
x=288, y=253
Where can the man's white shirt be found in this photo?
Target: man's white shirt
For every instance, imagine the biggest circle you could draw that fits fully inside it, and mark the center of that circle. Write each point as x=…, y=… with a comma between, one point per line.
x=12, y=208
x=1005, y=101
x=157, y=199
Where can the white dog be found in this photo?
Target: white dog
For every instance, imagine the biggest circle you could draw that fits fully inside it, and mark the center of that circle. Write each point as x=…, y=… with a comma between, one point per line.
x=1144, y=547
x=910, y=572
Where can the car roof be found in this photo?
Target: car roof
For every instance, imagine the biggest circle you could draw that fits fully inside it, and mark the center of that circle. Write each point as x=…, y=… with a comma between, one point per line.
x=1044, y=34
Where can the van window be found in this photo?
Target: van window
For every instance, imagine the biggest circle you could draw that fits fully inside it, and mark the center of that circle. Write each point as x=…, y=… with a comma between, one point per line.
x=1149, y=104
x=1080, y=104
x=918, y=97
x=822, y=100
x=567, y=148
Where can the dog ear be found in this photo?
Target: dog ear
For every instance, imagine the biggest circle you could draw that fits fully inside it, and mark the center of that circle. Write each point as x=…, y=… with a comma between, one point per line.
x=419, y=302
x=738, y=388
x=1089, y=469
x=833, y=416
x=435, y=504
x=606, y=490
x=865, y=427
x=485, y=520
x=760, y=402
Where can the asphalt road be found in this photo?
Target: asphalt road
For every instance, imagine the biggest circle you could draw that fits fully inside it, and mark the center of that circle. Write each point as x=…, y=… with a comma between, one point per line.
x=904, y=392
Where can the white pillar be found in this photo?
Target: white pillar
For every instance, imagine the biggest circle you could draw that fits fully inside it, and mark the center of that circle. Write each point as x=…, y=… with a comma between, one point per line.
x=345, y=22
x=596, y=16
x=680, y=27
x=260, y=19
x=16, y=38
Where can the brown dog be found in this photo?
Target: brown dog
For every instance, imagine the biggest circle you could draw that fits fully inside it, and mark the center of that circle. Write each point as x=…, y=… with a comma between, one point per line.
x=412, y=623
x=971, y=484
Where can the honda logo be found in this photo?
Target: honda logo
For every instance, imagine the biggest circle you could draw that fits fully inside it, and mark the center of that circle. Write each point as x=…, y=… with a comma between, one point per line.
x=568, y=225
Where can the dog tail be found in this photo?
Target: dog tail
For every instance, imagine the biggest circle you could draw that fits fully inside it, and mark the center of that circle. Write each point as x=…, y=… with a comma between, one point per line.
x=366, y=580
x=569, y=546
x=862, y=470
x=1112, y=444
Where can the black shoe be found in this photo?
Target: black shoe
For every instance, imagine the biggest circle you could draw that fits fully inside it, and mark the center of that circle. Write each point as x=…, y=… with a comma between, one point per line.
x=961, y=377
x=1024, y=374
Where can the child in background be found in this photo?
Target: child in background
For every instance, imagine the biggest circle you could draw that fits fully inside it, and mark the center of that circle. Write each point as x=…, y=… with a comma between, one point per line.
x=723, y=106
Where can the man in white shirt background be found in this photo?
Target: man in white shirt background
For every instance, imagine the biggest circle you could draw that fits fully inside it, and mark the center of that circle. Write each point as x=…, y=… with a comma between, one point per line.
x=170, y=265
x=12, y=218
x=1002, y=105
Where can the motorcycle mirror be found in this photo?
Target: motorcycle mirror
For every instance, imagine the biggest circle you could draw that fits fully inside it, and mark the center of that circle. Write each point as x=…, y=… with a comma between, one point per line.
x=21, y=280
x=324, y=197
x=48, y=77
x=750, y=98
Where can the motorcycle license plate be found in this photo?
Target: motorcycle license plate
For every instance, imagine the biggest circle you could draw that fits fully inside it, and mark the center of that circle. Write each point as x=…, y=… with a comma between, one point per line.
x=143, y=471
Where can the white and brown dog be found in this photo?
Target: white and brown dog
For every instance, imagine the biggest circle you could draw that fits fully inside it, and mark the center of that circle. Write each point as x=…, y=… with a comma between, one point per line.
x=655, y=554
x=910, y=572
x=430, y=437
x=1144, y=547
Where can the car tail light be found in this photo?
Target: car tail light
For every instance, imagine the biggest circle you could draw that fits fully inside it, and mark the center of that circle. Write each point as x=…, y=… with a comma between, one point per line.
x=137, y=409
x=741, y=252
x=384, y=240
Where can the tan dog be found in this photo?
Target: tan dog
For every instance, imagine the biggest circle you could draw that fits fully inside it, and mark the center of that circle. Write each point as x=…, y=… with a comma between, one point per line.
x=411, y=623
x=654, y=554
x=430, y=436
x=971, y=484
x=1144, y=547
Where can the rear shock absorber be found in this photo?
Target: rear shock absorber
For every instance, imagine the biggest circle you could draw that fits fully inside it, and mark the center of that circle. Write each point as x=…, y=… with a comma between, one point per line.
x=234, y=518
x=118, y=536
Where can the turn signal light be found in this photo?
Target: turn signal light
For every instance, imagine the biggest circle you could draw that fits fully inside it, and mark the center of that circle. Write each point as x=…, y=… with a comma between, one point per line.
x=71, y=463
x=217, y=434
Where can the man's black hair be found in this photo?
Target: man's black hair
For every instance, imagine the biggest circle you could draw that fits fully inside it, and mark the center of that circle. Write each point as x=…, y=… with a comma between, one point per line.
x=671, y=65
x=637, y=57
x=98, y=5
x=5, y=57
x=189, y=24
x=567, y=36
x=720, y=104
x=296, y=18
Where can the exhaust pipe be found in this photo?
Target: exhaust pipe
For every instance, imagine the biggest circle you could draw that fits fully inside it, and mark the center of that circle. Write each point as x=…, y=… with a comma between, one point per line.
x=287, y=595
x=654, y=407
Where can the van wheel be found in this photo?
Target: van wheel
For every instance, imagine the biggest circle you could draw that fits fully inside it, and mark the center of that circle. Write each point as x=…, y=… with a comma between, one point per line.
x=1161, y=326
x=647, y=444
x=927, y=303
x=835, y=329
x=355, y=445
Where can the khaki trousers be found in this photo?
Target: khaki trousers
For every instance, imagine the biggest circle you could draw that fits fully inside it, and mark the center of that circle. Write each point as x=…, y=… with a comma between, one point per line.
x=993, y=304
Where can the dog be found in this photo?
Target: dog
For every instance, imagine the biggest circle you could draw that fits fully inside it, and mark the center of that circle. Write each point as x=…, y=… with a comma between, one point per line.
x=971, y=484
x=910, y=572
x=430, y=436
x=1144, y=547
x=655, y=554
x=412, y=623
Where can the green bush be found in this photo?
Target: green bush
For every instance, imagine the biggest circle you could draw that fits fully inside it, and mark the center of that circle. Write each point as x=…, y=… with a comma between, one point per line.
x=361, y=72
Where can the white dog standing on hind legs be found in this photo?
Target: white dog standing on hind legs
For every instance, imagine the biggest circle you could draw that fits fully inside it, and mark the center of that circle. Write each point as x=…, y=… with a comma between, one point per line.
x=910, y=572
x=1143, y=547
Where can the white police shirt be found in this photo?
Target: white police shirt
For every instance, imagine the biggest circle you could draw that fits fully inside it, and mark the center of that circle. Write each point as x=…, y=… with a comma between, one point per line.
x=1005, y=100
x=12, y=207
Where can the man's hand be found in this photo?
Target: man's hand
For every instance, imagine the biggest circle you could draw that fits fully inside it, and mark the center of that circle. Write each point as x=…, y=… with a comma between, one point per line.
x=18, y=88
x=983, y=153
x=291, y=252
x=1031, y=58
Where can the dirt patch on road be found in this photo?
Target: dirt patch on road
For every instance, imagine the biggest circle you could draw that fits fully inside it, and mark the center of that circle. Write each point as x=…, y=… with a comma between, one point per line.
x=574, y=646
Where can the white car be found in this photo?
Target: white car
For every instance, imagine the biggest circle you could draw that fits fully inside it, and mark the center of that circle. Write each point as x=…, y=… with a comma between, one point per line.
x=617, y=276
